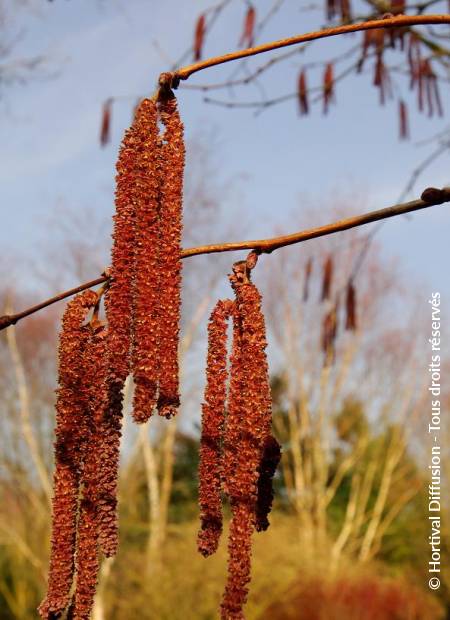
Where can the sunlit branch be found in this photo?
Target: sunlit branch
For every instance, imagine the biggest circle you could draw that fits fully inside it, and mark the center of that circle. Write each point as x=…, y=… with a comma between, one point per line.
x=430, y=197
x=390, y=21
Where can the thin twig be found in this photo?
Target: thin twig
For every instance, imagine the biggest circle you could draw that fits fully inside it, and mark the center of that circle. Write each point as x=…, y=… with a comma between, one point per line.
x=11, y=319
x=390, y=21
x=430, y=197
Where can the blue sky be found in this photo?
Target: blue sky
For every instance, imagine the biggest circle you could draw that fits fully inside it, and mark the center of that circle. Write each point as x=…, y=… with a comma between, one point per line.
x=50, y=157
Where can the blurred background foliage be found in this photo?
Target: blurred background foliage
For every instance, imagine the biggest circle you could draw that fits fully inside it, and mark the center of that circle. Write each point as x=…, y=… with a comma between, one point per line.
x=349, y=530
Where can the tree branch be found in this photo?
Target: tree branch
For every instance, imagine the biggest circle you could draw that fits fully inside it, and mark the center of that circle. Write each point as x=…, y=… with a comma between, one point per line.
x=430, y=197
x=390, y=21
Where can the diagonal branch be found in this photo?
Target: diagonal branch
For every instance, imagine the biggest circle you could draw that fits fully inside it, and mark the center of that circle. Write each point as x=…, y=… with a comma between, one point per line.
x=430, y=197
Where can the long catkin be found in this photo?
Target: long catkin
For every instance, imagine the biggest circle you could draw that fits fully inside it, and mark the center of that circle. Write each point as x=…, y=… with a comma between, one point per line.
x=89, y=524
x=241, y=526
x=70, y=432
x=173, y=154
x=147, y=311
x=213, y=420
x=119, y=296
x=119, y=307
x=247, y=437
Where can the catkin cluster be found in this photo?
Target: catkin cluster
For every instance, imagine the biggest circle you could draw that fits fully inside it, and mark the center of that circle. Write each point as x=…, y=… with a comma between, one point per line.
x=74, y=438
x=140, y=337
x=143, y=301
x=238, y=454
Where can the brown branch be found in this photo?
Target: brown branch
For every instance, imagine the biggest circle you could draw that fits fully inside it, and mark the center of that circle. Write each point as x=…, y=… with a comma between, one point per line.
x=266, y=246
x=430, y=197
x=389, y=21
x=11, y=319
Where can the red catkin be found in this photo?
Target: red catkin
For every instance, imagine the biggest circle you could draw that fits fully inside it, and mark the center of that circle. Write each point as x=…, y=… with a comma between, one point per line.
x=199, y=36
x=414, y=60
x=350, y=306
x=119, y=296
x=213, y=418
x=105, y=127
x=303, y=93
x=371, y=38
x=87, y=563
x=328, y=87
x=248, y=426
x=70, y=431
x=427, y=81
x=239, y=562
x=119, y=306
x=327, y=278
x=87, y=560
x=331, y=9
x=346, y=12
x=329, y=334
x=403, y=121
x=248, y=32
x=173, y=153
x=381, y=78
x=307, y=280
x=146, y=311
x=108, y=470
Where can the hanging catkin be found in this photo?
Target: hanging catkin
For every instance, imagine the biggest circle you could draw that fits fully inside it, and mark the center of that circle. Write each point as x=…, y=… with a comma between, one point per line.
x=95, y=360
x=105, y=128
x=242, y=505
x=213, y=419
x=327, y=278
x=119, y=306
x=403, y=120
x=70, y=433
x=238, y=454
x=119, y=296
x=147, y=187
x=308, y=272
x=89, y=520
x=350, y=307
x=328, y=87
x=108, y=471
x=247, y=431
x=173, y=153
x=199, y=37
x=302, y=93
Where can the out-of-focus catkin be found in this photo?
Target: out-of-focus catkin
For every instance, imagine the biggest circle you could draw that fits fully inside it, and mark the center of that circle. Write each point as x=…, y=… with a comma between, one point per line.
x=70, y=436
x=173, y=154
x=350, y=307
x=327, y=278
x=271, y=456
x=199, y=37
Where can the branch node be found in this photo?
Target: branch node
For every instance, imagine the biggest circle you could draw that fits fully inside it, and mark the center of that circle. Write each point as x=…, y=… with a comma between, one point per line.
x=6, y=320
x=433, y=195
x=167, y=81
